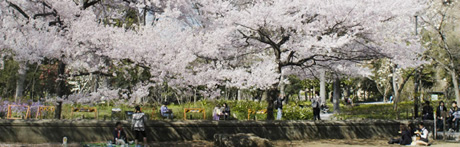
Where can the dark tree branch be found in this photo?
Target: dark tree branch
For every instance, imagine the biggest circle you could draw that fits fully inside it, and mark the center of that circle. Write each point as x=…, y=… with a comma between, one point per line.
x=89, y=4
x=283, y=40
x=44, y=15
x=19, y=9
x=88, y=73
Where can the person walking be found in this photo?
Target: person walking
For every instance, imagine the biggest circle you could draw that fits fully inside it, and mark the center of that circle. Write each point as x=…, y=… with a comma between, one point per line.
x=138, y=126
x=316, y=105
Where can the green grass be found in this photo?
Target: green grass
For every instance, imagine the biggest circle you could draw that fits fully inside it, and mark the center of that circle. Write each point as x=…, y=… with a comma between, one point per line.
x=379, y=111
x=239, y=111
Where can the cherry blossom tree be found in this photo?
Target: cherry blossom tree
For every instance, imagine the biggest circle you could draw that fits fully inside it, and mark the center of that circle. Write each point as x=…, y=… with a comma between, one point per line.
x=252, y=42
x=441, y=37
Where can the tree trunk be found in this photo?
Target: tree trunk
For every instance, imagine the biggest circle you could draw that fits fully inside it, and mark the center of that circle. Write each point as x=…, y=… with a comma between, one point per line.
x=336, y=95
x=272, y=96
x=395, y=90
x=455, y=82
x=416, y=94
x=20, y=81
x=264, y=96
x=239, y=95
x=194, y=96
x=384, y=96
x=322, y=86
x=60, y=88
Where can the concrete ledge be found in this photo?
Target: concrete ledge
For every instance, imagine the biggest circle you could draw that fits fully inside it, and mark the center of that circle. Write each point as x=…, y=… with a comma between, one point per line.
x=46, y=131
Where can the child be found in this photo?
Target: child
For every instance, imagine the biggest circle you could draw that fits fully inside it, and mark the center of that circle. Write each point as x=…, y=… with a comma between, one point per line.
x=119, y=134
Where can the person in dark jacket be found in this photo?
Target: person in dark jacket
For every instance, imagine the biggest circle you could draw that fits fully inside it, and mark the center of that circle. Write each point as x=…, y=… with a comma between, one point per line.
x=406, y=138
x=119, y=135
x=226, y=111
x=441, y=111
x=427, y=111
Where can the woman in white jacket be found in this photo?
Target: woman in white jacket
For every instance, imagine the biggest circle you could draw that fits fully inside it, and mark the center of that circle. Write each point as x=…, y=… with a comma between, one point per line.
x=138, y=126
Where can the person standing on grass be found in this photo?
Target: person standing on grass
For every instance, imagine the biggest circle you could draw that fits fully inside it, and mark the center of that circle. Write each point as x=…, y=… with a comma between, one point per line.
x=316, y=105
x=279, y=106
x=138, y=126
x=441, y=110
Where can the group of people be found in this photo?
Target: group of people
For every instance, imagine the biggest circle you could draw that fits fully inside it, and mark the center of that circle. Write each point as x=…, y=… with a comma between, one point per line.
x=450, y=116
x=137, y=126
x=412, y=136
x=221, y=112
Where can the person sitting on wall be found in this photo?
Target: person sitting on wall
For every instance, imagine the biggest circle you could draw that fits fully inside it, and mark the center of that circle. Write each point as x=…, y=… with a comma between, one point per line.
x=165, y=112
x=216, y=113
x=119, y=134
x=454, y=117
x=427, y=111
x=423, y=135
x=226, y=111
x=406, y=138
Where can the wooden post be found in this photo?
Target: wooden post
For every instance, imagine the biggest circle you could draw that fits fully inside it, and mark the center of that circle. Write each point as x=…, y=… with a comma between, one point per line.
x=185, y=117
x=249, y=113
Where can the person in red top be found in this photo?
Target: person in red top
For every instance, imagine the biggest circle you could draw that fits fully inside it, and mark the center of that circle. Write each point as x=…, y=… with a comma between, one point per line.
x=119, y=135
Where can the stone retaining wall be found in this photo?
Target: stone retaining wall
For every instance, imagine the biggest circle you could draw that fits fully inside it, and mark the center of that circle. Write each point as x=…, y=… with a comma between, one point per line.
x=46, y=131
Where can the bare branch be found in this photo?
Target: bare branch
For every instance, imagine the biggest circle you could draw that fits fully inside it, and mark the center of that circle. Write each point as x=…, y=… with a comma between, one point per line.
x=19, y=9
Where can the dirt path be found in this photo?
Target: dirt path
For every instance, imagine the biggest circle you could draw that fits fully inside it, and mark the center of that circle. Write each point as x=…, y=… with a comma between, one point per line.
x=297, y=143
x=354, y=142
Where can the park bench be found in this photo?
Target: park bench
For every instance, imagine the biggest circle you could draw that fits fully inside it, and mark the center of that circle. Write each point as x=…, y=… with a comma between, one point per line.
x=255, y=112
x=194, y=110
x=10, y=112
x=84, y=110
x=42, y=109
